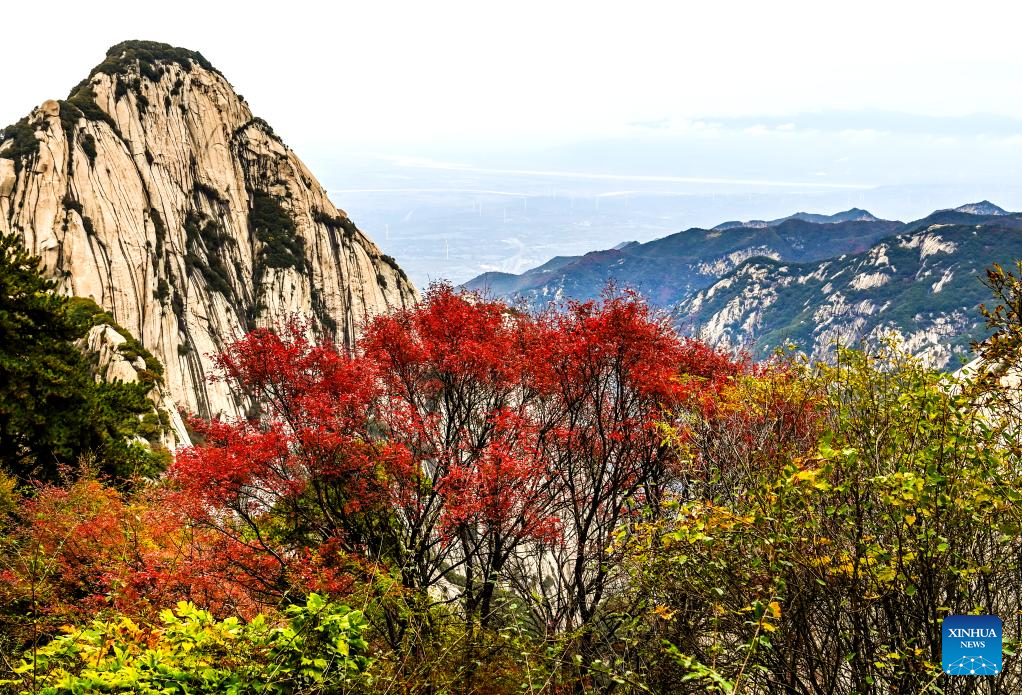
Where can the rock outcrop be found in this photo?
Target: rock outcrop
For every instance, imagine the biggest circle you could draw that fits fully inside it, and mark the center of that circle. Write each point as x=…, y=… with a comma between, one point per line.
x=154, y=191
x=922, y=287
x=105, y=345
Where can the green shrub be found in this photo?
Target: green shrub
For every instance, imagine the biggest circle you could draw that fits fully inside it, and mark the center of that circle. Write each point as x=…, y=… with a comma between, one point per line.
x=906, y=508
x=86, y=311
x=335, y=221
x=318, y=649
x=70, y=203
x=259, y=123
x=122, y=59
x=121, y=89
x=389, y=260
x=275, y=230
x=322, y=314
x=324, y=218
x=24, y=145
x=151, y=428
x=69, y=116
x=201, y=188
x=89, y=147
x=160, y=228
x=83, y=98
x=177, y=303
x=206, y=240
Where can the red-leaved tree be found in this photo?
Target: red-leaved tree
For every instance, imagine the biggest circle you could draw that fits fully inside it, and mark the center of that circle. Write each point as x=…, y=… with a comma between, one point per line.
x=470, y=447
x=607, y=373
x=458, y=396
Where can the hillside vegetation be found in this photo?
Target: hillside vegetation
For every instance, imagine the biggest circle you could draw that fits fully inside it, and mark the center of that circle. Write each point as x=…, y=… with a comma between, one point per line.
x=484, y=500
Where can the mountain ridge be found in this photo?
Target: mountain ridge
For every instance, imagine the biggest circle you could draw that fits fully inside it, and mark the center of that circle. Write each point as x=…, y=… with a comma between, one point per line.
x=921, y=286
x=668, y=269
x=850, y=215
x=731, y=284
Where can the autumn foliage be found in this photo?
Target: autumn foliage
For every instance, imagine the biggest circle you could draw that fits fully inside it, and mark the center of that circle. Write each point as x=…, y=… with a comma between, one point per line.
x=574, y=500
x=459, y=442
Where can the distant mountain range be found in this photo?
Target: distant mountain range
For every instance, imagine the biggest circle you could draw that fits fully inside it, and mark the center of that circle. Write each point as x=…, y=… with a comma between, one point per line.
x=853, y=215
x=806, y=279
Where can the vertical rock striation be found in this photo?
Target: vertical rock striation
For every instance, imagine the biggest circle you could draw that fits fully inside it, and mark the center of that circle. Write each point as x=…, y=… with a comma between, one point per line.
x=154, y=191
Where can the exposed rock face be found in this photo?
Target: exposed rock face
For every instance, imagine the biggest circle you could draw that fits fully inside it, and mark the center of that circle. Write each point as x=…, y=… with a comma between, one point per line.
x=923, y=287
x=154, y=191
x=102, y=343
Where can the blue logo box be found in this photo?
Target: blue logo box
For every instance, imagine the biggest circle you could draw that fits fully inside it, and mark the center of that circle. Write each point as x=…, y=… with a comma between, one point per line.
x=971, y=645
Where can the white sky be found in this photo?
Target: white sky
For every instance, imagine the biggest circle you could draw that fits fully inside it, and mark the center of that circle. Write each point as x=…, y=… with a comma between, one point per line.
x=410, y=72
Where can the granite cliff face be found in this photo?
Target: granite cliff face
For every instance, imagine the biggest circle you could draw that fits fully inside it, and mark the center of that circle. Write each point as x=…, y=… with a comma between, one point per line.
x=153, y=190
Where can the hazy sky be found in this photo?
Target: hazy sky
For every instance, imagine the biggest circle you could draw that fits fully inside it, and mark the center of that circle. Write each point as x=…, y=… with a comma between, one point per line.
x=394, y=74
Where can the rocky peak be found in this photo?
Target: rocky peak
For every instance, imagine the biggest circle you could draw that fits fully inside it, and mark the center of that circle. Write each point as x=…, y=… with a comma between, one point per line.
x=850, y=215
x=153, y=190
x=983, y=207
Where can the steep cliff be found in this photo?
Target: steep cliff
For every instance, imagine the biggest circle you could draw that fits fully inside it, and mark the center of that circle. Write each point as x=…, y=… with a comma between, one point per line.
x=153, y=190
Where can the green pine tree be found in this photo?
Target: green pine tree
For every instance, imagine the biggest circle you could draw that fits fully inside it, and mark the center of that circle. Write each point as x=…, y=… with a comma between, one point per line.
x=52, y=410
